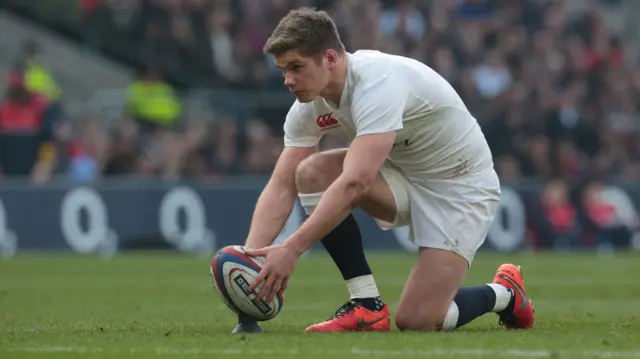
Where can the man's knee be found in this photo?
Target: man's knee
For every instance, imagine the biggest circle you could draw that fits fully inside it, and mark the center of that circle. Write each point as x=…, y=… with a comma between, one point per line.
x=419, y=320
x=317, y=172
x=433, y=283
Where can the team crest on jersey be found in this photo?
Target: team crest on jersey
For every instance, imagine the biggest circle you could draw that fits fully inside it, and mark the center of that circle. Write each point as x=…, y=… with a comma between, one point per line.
x=327, y=122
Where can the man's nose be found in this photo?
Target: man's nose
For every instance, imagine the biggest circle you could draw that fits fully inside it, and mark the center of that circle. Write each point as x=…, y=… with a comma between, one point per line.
x=288, y=80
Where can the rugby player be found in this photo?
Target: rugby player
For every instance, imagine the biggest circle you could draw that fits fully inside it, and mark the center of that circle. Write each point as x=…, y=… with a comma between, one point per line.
x=416, y=157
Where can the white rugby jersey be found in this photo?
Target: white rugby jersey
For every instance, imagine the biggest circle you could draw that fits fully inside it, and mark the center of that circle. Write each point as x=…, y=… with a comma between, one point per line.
x=437, y=137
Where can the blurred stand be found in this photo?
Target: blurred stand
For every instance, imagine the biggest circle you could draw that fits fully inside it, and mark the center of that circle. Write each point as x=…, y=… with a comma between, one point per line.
x=179, y=90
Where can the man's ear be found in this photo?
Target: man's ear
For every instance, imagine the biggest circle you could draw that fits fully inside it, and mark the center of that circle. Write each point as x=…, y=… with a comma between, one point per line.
x=331, y=57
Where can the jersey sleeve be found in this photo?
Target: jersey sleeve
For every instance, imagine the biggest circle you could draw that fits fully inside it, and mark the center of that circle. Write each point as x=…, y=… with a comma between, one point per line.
x=378, y=107
x=300, y=129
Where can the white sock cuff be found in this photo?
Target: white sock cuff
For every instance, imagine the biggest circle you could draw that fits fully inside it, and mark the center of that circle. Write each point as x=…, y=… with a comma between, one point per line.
x=503, y=297
x=362, y=287
x=451, y=319
x=309, y=201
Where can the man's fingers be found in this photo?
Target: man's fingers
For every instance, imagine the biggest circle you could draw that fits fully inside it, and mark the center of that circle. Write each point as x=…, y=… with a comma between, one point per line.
x=266, y=288
x=256, y=282
x=283, y=286
x=274, y=290
x=285, y=283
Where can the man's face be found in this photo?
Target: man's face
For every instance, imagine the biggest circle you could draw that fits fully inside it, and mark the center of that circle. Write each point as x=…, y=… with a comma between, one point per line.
x=304, y=76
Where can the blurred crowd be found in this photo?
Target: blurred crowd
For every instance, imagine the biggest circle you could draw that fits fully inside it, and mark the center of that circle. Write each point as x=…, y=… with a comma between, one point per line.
x=554, y=91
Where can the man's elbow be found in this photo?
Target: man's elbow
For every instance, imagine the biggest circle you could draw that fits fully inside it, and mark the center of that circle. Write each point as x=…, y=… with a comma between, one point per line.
x=357, y=187
x=282, y=186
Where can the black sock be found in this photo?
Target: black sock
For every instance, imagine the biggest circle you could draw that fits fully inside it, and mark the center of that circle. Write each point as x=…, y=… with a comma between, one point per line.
x=344, y=245
x=473, y=302
x=376, y=304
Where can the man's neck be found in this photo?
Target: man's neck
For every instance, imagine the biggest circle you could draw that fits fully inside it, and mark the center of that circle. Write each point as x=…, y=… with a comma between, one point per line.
x=333, y=91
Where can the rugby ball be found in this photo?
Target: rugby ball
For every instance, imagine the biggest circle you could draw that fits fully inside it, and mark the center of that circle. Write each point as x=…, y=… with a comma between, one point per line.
x=232, y=272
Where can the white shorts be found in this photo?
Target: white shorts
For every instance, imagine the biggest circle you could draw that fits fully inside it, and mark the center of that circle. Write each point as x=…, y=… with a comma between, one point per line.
x=453, y=215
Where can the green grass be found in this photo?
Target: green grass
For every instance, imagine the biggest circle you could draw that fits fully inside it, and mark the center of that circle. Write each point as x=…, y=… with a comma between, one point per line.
x=163, y=305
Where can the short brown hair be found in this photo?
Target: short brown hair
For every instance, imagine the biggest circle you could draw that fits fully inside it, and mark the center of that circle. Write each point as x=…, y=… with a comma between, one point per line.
x=306, y=30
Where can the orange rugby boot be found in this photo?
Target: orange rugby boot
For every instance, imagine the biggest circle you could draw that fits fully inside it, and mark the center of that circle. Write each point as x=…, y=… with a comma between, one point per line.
x=352, y=317
x=520, y=312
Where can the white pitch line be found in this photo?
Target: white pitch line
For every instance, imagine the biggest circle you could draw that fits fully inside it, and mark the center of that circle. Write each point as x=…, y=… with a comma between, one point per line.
x=306, y=281
x=400, y=282
x=552, y=304
x=476, y=352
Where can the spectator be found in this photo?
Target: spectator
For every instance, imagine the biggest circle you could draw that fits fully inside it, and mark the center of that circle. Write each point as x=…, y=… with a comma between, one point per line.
x=262, y=150
x=552, y=87
x=87, y=154
x=152, y=102
x=404, y=20
x=25, y=147
x=609, y=228
x=223, y=157
x=124, y=150
x=39, y=80
x=558, y=218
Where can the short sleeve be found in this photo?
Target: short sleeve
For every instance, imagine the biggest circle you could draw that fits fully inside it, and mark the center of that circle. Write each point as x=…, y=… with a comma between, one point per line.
x=299, y=127
x=378, y=107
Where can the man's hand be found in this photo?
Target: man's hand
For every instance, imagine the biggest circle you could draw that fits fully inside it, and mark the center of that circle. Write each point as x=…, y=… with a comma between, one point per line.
x=280, y=261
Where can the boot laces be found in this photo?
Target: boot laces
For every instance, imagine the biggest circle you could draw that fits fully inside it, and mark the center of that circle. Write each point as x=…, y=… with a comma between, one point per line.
x=345, y=309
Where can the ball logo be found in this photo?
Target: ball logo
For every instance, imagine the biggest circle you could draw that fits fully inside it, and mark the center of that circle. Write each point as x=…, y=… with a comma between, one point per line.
x=98, y=237
x=243, y=284
x=195, y=237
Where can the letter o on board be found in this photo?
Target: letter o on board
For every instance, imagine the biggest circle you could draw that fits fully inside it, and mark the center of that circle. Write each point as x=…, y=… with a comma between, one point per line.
x=196, y=232
x=508, y=236
x=97, y=231
x=8, y=240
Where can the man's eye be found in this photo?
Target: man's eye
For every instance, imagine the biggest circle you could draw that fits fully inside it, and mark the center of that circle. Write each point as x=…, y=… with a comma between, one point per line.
x=296, y=67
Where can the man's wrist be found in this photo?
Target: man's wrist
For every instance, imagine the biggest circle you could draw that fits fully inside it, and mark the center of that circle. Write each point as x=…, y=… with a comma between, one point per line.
x=256, y=242
x=295, y=245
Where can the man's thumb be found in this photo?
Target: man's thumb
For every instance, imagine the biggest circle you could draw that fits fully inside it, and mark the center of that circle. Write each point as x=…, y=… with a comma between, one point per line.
x=256, y=252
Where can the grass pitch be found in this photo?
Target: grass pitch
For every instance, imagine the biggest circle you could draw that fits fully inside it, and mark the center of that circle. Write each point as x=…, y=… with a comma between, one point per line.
x=163, y=305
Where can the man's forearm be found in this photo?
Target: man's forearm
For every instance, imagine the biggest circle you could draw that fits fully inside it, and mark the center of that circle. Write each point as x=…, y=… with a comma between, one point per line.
x=272, y=210
x=334, y=206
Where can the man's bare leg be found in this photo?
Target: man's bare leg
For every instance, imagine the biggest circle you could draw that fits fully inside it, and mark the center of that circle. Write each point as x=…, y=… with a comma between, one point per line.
x=434, y=300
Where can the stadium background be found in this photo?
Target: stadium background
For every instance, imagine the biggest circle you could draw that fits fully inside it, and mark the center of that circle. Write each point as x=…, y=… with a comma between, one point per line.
x=147, y=129
x=151, y=123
